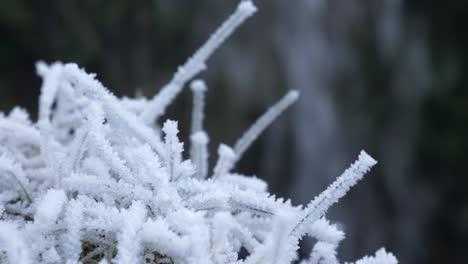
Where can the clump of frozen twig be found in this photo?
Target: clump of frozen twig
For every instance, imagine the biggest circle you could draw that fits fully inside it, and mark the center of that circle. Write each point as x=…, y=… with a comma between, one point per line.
x=93, y=181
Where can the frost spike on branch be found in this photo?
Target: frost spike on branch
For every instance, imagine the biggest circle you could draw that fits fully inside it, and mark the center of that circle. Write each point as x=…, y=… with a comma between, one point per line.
x=197, y=63
x=263, y=122
x=77, y=148
x=322, y=230
x=109, y=155
x=381, y=257
x=198, y=88
x=319, y=206
x=199, y=138
x=199, y=153
x=51, y=80
x=226, y=159
x=174, y=148
x=51, y=76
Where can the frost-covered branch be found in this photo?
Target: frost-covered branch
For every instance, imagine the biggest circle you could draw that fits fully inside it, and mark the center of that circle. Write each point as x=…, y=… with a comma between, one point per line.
x=197, y=63
x=199, y=138
x=319, y=206
x=263, y=122
x=198, y=89
x=199, y=153
x=226, y=160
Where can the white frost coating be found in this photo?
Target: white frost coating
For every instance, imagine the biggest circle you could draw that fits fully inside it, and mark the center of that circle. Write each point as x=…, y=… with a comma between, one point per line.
x=222, y=251
x=10, y=168
x=199, y=138
x=130, y=248
x=71, y=240
x=197, y=63
x=51, y=206
x=12, y=242
x=263, y=122
x=52, y=256
x=247, y=7
x=97, y=137
x=51, y=76
x=174, y=149
x=322, y=253
x=158, y=236
x=322, y=230
x=118, y=116
x=128, y=196
x=244, y=182
x=199, y=153
x=277, y=248
x=226, y=159
x=19, y=131
x=381, y=257
x=198, y=88
x=198, y=85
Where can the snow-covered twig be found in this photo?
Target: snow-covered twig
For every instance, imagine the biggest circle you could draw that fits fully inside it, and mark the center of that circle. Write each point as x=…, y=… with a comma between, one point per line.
x=197, y=63
x=263, y=122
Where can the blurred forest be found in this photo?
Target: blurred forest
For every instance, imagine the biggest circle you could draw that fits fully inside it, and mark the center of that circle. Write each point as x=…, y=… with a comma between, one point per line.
x=389, y=76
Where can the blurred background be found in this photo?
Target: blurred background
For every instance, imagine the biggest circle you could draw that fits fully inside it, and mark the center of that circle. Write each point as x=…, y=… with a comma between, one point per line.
x=388, y=76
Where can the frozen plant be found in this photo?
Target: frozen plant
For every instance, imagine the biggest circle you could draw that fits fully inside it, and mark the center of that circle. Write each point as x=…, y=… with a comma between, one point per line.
x=95, y=180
